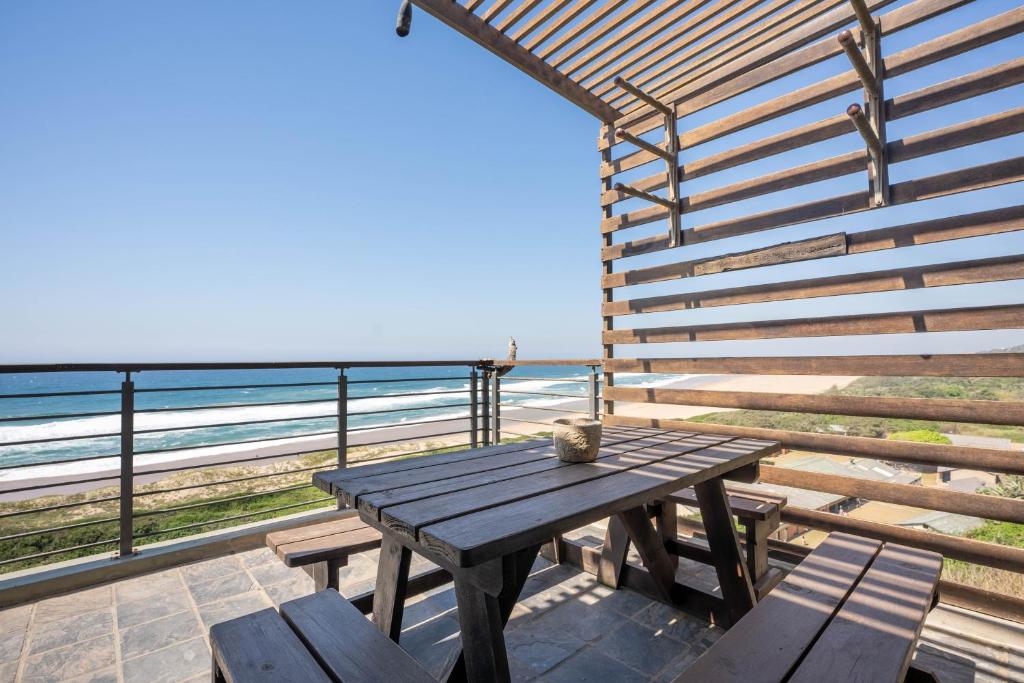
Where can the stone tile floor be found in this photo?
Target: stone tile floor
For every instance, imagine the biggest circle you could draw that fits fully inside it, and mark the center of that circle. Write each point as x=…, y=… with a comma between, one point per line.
x=567, y=627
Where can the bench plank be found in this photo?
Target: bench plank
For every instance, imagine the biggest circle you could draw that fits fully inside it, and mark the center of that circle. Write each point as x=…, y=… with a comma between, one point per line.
x=261, y=648
x=872, y=638
x=770, y=640
x=740, y=502
x=346, y=644
x=305, y=533
x=315, y=550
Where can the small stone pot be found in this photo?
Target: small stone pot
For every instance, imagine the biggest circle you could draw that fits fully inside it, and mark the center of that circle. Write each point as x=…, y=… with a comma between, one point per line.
x=577, y=439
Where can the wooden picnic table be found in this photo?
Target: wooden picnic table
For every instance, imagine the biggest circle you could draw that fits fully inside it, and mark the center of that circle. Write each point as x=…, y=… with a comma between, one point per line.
x=483, y=514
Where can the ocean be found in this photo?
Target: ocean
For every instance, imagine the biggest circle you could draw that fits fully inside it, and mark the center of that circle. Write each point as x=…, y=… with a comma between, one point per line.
x=84, y=427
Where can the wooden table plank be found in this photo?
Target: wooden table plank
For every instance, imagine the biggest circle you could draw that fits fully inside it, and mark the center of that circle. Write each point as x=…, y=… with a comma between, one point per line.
x=371, y=503
x=349, y=490
x=408, y=518
x=794, y=613
x=883, y=616
x=490, y=533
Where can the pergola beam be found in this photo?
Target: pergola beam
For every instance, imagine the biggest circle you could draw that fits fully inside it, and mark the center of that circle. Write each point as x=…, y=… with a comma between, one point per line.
x=476, y=29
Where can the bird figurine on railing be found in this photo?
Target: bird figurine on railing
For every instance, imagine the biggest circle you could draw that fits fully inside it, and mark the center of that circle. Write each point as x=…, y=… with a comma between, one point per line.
x=404, y=19
x=502, y=370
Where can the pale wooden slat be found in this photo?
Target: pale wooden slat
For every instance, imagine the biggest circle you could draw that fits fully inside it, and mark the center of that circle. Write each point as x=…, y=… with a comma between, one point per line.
x=958, y=320
x=989, y=459
x=927, y=497
x=933, y=409
x=588, y=22
x=540, y=19
x=513, y=17
x=591, y=34
x=940, y=365
x=996, y=269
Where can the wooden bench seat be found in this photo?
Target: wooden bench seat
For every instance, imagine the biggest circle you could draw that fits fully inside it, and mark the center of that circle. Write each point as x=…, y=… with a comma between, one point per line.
x=759, y=513
x=322, y=549
x=320, y=637
x=851, y=610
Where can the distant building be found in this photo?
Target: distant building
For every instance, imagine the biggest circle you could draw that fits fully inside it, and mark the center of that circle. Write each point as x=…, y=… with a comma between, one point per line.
x=944, y=523
x=980, y=441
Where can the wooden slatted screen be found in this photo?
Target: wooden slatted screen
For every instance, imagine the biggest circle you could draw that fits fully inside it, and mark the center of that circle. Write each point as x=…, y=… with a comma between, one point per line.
x=786, y=246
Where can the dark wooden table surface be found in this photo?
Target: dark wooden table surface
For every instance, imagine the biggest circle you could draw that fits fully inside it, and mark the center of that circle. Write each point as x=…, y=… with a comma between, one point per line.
x=483, y=514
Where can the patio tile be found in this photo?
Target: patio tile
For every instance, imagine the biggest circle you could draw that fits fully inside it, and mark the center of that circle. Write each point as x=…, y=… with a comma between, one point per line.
x=283, y=591
x=254, y=558
x=672, y=622
x=430, y=607
x=70, y=661
x=148, y=585
x=104, y=676
x=640, y=648
x=274, y=572
x=8, y=671
x=153, y=607
x=590, y=665
x=154, y=635
x=71, y=630
x=171, y=665
x=15, y=618
x=683, y=661
x=579, y=620
x=222, y=587
x=11, y=645
x=540, y=646
x=432, y=643
x=245, y=603
x=74, y=603
x=207, y=570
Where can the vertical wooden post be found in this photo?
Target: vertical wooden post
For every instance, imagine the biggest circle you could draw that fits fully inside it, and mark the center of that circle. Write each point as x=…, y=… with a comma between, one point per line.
x=472, y=408
x=496, y=408
x=607, y=293
x=127, y=489
x=675, y=222
x=485, y=405
x=874, y=100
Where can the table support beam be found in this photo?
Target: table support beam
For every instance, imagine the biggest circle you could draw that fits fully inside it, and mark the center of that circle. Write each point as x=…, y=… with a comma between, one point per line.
x=731, y=567
x=392, y=586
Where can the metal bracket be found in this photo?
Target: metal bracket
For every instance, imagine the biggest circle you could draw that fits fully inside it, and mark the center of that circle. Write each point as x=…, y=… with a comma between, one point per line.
x=670, y=154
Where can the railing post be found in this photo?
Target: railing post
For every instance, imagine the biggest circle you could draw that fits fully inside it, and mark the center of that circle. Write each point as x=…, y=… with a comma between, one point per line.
x=342, y=422
x=485, y=395
x=127, y=492
x=496, y=408
x=592, y=393
x=473, y=408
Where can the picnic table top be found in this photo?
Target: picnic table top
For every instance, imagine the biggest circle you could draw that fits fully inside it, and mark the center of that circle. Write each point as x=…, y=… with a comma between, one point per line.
x=471, y=506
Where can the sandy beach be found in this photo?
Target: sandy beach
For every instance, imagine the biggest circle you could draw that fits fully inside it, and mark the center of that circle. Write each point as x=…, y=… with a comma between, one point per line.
x=515, y=420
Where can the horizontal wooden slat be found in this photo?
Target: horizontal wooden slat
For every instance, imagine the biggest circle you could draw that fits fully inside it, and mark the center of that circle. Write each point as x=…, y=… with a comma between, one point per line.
x=556, y=25
x=963, y=226
x=958, y=89
x=952, y=547
x=667, y=44
x=789, y=252
x=961, y=319
x=988, y=459
x=995, y=269
x=717, y=87
x=942, y=365
x=928, y=497
x=675, y=53
x=539, y=19
x=931, y=51
x=943, y=409
x=602, y=29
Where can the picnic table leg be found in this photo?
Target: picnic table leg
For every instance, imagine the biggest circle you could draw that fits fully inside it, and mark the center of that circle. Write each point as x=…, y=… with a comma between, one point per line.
x=668, y=525
x=651, y=549
x=392, y=586
x=613, y=553
x=482, y=619
x=730, y=565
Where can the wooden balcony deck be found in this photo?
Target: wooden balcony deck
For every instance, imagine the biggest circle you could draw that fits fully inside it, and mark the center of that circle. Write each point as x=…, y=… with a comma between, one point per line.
x=568, y=627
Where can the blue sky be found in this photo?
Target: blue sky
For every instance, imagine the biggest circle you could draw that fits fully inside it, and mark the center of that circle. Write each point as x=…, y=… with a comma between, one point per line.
x=267, y=180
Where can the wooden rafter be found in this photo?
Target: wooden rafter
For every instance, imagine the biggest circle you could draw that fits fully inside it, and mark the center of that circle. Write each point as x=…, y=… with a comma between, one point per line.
x=481, y=32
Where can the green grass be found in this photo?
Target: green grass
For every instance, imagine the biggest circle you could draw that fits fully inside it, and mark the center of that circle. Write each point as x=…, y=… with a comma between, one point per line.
x=259, y=504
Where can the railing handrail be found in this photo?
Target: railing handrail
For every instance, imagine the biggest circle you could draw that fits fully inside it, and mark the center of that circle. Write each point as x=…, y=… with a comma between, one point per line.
x=29, y=368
